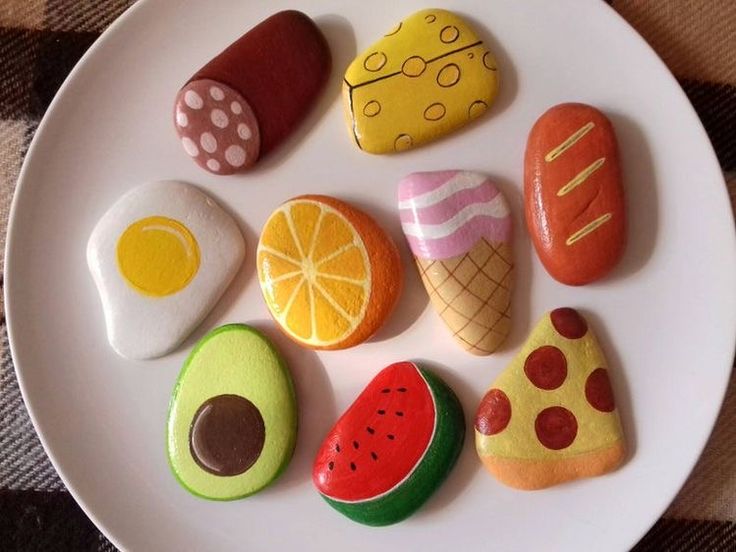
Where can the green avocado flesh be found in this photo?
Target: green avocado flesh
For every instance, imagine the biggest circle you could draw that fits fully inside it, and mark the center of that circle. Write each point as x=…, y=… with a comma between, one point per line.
x=432, y=470
x=232, y=420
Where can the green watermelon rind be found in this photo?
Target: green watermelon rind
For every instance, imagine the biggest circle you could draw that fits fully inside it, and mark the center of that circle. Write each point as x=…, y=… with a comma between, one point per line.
x=433, y=468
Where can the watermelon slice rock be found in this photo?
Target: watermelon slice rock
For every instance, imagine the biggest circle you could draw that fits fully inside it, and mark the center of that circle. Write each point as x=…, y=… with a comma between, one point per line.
x=392, y=448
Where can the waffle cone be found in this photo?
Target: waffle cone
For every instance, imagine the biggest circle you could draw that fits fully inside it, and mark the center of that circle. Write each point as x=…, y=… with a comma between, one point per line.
x=472, y=294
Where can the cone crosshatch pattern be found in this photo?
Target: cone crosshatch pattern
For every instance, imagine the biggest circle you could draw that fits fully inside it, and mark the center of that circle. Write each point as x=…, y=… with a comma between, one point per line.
x=479, y=321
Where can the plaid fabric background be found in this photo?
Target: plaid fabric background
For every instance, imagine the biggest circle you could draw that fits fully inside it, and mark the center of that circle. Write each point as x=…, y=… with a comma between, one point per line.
x=41, y=40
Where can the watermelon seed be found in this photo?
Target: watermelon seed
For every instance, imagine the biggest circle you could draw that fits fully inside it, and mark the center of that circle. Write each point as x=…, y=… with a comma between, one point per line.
x=390, y=436
x=401, y=389
x=337, y=447
x=370, y=430
x=385, y=390
x=374, y=456
x=356, y=445
x=399, y=413
x=352, y=466
x=331, y=466
x=381, y=412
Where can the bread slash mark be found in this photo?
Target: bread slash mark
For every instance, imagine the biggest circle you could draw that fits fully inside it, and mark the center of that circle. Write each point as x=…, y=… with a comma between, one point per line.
x=570, y=142
x=589, y=228
x=581, y=177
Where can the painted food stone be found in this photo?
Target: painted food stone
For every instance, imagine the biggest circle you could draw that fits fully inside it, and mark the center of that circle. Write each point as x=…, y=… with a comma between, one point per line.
x=248, y=99
x=161, y=257
x=573, y=195
x=458, y=226
x=429, y=76
x=329, y=274
x=551, y=417
x=233, y=417
x=392, y=448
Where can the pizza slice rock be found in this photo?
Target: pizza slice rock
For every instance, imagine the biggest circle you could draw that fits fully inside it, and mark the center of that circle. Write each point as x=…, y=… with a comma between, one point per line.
x=551, y=417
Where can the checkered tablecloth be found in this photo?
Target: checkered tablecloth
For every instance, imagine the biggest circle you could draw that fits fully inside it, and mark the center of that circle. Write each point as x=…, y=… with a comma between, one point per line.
x=41, y=40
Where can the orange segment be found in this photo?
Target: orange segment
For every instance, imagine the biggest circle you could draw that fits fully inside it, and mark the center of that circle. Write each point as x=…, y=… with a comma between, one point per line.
x=315, y=272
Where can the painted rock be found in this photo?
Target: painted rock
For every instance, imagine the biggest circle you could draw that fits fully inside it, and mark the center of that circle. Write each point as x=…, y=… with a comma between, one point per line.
x=161, y=258
x=232, y=417
x=573, y=195
x=329, y=274
x=550, y=417
x=429, y=76
x=458, y=227
x=392, y=448
x=247, y=100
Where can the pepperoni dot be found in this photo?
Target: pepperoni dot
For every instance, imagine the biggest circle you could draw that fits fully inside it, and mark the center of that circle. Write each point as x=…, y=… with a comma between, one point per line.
x=476, y=109
x=546, y=367
x=403, y=142
x=569, y=323
x=219, y=118
x=217, y=93
x=375, y=61
x=449, y=75
x=235, y=156
x=189, y=146
x=244, y=131
x=489, y=62
x=372, y=108
x=449, y=34
x=213, y=165
x=435, y=112
x=181, y=118
x=556, y=427
x=236, y=108
x=493, y=413
x=193, y=100
x=208, y=142
x=414, y=66
x=598, y=391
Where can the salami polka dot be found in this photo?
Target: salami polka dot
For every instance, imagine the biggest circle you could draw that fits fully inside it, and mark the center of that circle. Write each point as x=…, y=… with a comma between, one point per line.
x=181, y=119
x=189, y=146
x=569, y=323
x=556, y=427
x=236, y=108
x=244, y=131
x=598, y=391
x=217, y=93
x=235, y=156
x=494, y=413
x=208, y=142
x=219, y=118
x=546, y=367
x=213, y=165
x=193, y=100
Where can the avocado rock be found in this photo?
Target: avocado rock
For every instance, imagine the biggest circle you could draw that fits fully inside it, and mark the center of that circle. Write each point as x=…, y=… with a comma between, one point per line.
x=232, y=417
x=430, y=75
x=392, y=448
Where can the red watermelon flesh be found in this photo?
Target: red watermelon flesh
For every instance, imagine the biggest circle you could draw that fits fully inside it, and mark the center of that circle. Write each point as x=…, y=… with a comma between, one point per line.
x=380, y=439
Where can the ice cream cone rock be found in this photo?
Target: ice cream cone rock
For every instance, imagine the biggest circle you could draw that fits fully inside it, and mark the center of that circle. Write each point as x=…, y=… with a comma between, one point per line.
x=458, y=226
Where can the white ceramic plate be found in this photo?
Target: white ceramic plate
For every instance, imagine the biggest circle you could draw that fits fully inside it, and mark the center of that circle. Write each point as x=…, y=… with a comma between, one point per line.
x=666, y=316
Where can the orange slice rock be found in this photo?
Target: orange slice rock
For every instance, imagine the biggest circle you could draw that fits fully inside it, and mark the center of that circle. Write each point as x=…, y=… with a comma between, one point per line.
x=329, y=274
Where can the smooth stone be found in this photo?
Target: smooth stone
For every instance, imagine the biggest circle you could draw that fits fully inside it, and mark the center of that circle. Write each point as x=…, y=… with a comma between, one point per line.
x=392, y=448
x=253, y=95
x=550, y=416
x=161, y=257
x=429, y=76
x=232, y=419
x=329, y=274
x=573, y=195
x=458, y=226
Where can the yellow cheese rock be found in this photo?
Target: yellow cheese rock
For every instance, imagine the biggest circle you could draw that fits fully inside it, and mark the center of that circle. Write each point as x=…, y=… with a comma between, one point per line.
x=429, y=76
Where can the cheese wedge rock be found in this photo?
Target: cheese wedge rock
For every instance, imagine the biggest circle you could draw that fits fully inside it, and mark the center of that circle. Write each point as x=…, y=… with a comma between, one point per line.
x=427, y=77
x=551, y=417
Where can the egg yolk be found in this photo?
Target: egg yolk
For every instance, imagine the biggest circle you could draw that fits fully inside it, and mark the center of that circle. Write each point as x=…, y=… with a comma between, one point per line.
x=157, y=256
